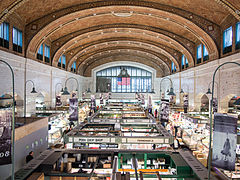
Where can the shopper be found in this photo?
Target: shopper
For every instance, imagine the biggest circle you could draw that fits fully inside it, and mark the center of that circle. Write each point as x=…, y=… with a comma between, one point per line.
x=155, y=113
x=29, y=157
x=176, y=143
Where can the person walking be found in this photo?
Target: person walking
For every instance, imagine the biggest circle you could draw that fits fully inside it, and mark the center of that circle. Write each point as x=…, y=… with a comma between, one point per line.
x=29, y=157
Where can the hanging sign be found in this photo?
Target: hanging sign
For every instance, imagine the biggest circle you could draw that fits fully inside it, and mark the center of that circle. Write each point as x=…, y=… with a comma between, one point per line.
x=101, y=98
x=58, y=101
x=215, y=105
x=93, y=102
x=5, y=136
x=73, y=109
x=164, y=110
x=185, y=103
x=224, y=141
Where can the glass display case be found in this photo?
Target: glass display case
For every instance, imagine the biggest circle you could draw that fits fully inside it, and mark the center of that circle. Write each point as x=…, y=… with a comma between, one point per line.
x=57, y=124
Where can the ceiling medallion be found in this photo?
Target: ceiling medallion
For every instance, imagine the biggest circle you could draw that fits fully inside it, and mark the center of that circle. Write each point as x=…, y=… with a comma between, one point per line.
x=122, y=14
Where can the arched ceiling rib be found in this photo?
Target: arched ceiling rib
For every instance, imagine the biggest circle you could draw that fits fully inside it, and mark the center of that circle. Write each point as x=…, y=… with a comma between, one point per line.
x=161, y=30
x=119, y=45
x=161, y=60
x=152, y=17
x=123, y=55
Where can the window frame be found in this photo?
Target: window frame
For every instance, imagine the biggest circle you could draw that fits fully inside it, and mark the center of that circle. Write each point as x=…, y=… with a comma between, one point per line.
x=137, y=82
x=237, y=42
x=4, y=35
x=227, y=49
x=17, y=46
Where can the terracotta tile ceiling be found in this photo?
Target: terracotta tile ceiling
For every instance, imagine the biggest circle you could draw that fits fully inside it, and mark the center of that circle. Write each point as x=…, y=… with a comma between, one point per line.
x=92, y=33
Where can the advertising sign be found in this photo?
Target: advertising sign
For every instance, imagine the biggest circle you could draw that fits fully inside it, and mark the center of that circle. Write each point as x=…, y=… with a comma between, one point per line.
x=93, y=102
x=215, y=105
x=164, y=110
x=224, y=141
x=101, y=98
x=185, y=103
x=73, y=109
x=58, y=101
x=5, y=136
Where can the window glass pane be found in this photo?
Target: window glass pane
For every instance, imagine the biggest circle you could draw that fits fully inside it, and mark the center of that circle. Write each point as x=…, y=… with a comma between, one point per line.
x=199, y=52
x=74, y=65
x=205, y=51
x=64, y=59
x=6, y=35
x=183, y=61
x=47, y=51
x=114, y=71
x=118, y=71
x=15, y=40
x=227, y=37
x=144, y=73
x=238, y=32
x=109, y=72
x=60, y=59
x=186, y=60
x=20, y=38
x=1, y=30
x=139, y=73
x=134, y=72
x=104, y=72
x=128, y=70
x=127, y=84
x=99, y=73
x=40, y=50
x=150, y=84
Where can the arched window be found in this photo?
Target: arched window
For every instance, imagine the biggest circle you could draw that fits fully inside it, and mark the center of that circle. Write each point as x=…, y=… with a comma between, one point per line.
x=237, y=36
x=62, y=61
x=184, y=62
x=4, y=35
x=174, y=68
x=73, y=68
x=227, y=40
x=124, y=79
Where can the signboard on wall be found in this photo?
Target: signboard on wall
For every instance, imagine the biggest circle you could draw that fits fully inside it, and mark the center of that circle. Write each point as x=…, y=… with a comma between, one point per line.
x=73, y=109
x=224, y=141
x=5, y=136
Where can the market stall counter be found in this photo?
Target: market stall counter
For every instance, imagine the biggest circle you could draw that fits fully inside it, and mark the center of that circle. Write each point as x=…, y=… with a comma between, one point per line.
x=112, y=164
x=116, y=134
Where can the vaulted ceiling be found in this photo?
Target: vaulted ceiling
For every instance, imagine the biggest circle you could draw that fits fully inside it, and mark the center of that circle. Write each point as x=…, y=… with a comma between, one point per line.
x=92, y=33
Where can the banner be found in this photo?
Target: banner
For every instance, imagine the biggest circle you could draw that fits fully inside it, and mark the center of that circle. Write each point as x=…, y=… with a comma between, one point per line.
x=93, y=102
x=164, y=110
x=73, y=109
x=101, y=98
x=215, y=105
x=185, y=103
x=58, y=101
x=224, y=141
x=5, y=136
x=149, y=102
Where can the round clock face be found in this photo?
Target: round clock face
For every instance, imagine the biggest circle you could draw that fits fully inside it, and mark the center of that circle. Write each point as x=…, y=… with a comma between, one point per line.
x=124, y=72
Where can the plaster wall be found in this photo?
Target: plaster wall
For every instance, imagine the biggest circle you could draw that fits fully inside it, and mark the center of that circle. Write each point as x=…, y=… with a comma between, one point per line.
x=194, y=81
x=45, y=78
